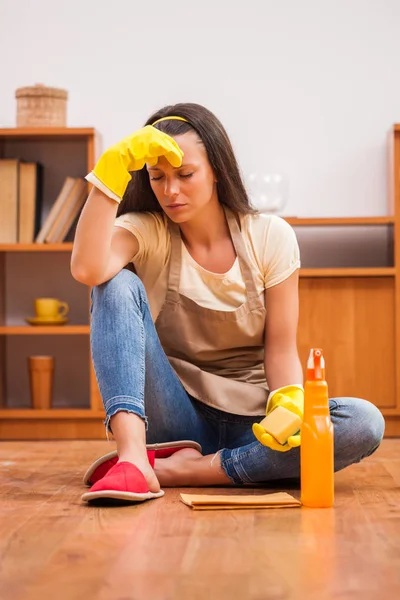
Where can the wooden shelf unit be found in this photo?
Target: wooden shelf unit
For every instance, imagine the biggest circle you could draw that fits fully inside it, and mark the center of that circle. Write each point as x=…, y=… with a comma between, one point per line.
x=353, y=313
x=44, y=330
x=343, y=221
x=64, y=247
x=63, y=152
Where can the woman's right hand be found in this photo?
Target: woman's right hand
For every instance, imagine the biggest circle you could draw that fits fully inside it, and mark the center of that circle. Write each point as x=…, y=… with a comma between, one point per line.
x=131, y=154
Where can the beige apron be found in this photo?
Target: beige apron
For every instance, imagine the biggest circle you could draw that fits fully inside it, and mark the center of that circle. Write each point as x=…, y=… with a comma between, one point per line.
x=218, y=355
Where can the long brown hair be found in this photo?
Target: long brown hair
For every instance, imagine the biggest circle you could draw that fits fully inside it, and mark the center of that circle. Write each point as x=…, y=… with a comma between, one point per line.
x=139, y=196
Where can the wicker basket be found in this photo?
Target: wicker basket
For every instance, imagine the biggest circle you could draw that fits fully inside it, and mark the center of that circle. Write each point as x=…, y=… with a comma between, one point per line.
x=41, y=106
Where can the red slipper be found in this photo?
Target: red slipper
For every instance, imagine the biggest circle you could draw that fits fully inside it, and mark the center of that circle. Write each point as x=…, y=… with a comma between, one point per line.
x=102, y=465
x=124, y=481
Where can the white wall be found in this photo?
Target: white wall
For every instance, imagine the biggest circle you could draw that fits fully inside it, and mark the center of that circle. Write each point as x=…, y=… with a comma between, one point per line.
x=309, y=88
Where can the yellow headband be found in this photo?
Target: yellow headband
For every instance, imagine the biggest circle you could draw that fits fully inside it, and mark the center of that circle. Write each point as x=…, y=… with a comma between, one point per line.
x=167, y=118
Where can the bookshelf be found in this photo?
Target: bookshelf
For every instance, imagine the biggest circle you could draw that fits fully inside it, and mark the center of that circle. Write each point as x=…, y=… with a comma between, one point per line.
x=349, y=302
x=35, y=270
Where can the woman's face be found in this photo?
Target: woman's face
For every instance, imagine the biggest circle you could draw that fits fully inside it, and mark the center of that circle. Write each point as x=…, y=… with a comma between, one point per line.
x=185, y=191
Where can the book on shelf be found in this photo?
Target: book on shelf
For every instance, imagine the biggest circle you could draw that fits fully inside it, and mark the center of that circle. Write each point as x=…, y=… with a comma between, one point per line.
x=68, y=212
x=55, y=209
x=20, y=200
x=9, y=185
x=30, y=201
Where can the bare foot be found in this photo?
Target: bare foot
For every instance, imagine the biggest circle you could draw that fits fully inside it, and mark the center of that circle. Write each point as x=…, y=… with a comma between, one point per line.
x=176, y=471
x=189, y=468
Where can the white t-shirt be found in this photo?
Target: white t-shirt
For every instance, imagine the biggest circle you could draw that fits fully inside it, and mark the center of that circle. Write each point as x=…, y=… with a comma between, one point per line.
x=270, y=242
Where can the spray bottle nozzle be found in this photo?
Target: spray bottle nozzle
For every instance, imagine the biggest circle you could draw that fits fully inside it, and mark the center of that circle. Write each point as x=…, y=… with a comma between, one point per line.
x=316, y=365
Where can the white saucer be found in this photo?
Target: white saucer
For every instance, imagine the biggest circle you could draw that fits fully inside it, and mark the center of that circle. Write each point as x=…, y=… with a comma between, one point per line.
x=46, y=320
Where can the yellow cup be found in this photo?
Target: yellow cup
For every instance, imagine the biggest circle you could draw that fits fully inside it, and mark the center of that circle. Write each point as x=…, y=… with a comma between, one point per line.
x=50, y=308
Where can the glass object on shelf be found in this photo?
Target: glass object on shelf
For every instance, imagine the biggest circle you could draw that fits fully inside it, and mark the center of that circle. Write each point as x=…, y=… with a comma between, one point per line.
x=268, y=192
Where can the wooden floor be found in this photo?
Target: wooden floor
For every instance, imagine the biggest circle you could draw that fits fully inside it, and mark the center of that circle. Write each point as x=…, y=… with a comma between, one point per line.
x=52, y=546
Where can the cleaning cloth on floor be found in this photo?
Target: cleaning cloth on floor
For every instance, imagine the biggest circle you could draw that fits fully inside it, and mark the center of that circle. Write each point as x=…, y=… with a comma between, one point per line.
x=229, y=501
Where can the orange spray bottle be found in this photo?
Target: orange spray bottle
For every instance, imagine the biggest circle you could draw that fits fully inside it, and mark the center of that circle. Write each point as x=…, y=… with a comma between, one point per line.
x=316, y=450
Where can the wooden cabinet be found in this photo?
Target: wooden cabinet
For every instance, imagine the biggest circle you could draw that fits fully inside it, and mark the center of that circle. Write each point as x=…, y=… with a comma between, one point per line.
x=353, y=318
x=351, y=311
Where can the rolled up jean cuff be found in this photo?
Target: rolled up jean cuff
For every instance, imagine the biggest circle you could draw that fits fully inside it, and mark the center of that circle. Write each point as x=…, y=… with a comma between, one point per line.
x=126, y=404
x=232, y=465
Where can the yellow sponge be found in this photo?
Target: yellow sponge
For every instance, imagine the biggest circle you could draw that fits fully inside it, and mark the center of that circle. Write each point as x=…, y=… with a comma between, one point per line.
x=281, y=424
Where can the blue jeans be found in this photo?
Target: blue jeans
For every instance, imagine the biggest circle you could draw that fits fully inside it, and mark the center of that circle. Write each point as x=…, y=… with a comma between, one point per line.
x=134, y=375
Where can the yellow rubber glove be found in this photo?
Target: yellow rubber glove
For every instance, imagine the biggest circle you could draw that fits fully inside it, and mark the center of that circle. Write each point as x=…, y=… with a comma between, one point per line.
x=131, y=154
x=290, y=397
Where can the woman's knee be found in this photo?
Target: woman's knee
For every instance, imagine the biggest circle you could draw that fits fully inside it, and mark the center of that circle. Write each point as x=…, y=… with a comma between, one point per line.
x=124, y=284
x=360, y=424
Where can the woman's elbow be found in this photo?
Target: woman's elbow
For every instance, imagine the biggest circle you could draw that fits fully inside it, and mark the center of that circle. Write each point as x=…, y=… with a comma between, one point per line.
x=83, y=276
